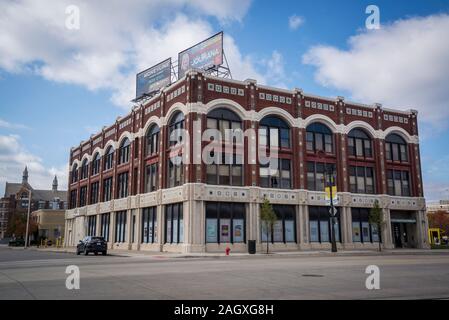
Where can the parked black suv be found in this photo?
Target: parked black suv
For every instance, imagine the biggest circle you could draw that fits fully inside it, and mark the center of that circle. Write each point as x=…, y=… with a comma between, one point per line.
x=92, y=244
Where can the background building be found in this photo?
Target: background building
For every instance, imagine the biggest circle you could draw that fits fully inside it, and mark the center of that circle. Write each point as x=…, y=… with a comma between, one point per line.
x=123, y=185
x=50, y=224
x=14, y=204
x=442, y=205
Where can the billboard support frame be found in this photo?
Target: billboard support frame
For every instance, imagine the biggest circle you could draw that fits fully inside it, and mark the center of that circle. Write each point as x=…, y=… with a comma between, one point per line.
x=220, y=71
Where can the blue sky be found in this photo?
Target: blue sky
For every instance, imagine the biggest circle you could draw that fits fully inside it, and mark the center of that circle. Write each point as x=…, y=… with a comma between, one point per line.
x=57, y=86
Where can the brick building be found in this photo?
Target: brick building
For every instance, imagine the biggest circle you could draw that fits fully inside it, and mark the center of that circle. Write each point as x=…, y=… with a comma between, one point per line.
x=15, y=201
x=125, y=186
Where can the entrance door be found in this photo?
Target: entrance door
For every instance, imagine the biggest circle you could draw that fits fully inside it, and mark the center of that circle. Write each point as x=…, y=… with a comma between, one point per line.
x=397, y=235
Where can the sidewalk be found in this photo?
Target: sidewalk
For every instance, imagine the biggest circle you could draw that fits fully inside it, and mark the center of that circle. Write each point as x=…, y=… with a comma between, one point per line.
x=308, y=253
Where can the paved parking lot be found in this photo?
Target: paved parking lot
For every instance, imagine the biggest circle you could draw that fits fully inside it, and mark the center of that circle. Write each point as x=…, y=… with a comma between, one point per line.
x=31, y=274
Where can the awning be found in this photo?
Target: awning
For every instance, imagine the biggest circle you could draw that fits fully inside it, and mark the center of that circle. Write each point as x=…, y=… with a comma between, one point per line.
x=403, y=220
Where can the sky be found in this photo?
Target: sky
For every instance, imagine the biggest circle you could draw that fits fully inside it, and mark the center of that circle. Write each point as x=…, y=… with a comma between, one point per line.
x=60, y=84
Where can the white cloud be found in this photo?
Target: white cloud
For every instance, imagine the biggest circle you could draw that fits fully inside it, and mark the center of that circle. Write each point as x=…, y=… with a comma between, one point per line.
x=402, y=65
x=8, y=125
x=275, y=70
x=13, y=159
x=294, y=22
x=115, y=39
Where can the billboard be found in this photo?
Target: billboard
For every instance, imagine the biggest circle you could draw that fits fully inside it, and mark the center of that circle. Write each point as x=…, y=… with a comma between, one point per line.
x=203, y=55
x=154, y=78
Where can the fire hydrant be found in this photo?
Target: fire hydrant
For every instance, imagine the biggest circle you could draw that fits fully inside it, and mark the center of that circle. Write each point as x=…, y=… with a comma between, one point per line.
x=227, y=251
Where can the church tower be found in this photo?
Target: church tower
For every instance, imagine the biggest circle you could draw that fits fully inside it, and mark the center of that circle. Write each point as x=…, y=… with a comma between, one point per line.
x=25, y=176
x=55, y=184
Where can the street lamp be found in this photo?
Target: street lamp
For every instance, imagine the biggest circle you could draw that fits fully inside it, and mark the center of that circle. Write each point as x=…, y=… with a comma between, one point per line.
x=330, y=172
x=28, y=218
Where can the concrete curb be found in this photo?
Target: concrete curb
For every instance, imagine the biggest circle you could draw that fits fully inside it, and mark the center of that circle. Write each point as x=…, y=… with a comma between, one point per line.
x=346, y=253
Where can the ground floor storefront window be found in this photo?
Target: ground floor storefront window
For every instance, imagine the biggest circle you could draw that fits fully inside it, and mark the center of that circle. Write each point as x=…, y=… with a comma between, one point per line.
x=225, y=222
x=362, y=230
x=320, y=226
x=174, y=223
x=105, y=218
x=284, y=229
x=120, y=226
x=91, y=225
x=149, y=225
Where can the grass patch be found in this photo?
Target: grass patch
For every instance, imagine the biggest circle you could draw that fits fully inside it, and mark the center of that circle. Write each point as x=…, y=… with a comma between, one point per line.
x=444, y=246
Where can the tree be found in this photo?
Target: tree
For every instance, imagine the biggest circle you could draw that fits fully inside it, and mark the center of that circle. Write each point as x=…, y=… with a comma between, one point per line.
x=376, y=218
x=17, y=225
x=268, y=218
x=439, y=219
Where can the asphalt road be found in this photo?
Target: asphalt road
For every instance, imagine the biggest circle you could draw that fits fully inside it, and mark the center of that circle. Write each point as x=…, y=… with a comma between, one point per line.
x=28, y=274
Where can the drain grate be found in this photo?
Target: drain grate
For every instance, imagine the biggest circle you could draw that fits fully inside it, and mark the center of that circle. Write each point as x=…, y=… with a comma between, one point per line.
x=313, y=275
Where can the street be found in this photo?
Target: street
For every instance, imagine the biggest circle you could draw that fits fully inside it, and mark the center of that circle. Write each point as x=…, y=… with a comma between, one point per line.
x=32, y=274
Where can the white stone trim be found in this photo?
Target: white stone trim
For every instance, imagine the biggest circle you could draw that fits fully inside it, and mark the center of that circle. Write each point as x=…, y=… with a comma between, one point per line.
x=254, y=116
x=229, y=104
x=286, y=116
x=401, y=132
x=375, y=134
x=322, y=119
x=178, y=106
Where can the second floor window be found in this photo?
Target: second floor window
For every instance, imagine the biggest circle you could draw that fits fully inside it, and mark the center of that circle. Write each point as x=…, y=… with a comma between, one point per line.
x=72, y=199
x=107, y=189
x=94, y=188
x=317, y=176
x=175, y=173
x=398, y=183
x=319, y=138
x=83, y=196
x=124, y=151
x=228, y=172
x=122, y=185
x=279, y=177
x=361, y=180
x=151, y=177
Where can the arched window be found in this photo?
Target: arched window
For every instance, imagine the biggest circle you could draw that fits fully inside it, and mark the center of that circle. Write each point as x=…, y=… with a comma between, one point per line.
x=359, y=144
x=109, y=158
x=152, y=146
x=274, y=132
x=319, y=138
x=96, y=164
x=84, y=169
x=175, y=172
x=396, y=148
x=176, y=122
x=228, y=168
x=74, y=174
x=124, y=151
x=223, y=120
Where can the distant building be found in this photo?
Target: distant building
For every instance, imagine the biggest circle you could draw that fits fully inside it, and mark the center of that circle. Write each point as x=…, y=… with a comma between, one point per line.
x=442, y=205
x=50, y=223
x=15, y=201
